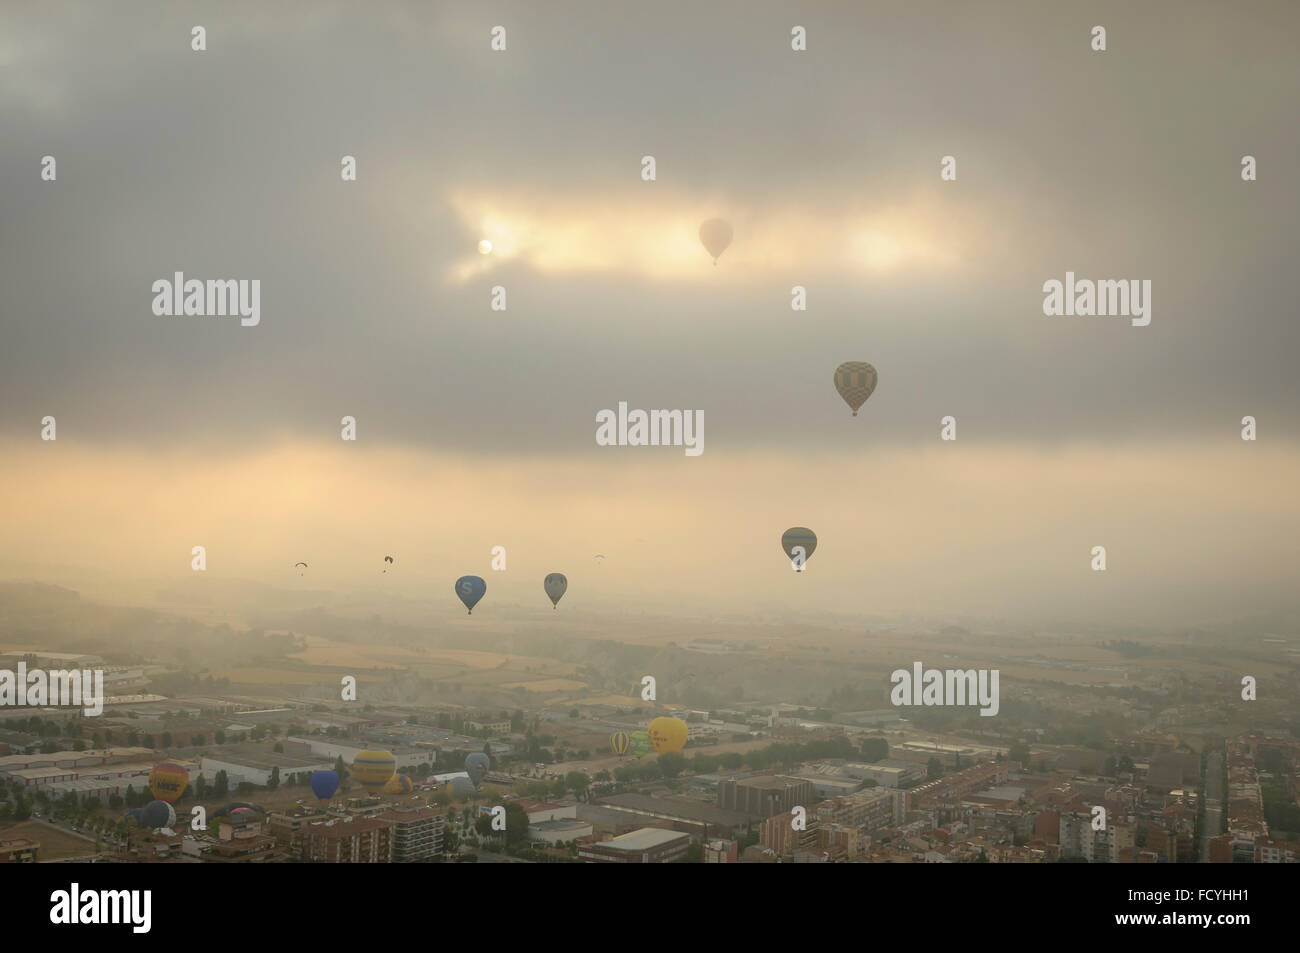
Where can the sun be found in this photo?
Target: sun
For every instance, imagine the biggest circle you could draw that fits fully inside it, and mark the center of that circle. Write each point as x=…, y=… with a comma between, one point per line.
x=485, y=247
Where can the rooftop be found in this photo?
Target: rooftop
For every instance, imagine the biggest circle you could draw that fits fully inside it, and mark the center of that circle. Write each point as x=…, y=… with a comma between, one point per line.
x=646, y=838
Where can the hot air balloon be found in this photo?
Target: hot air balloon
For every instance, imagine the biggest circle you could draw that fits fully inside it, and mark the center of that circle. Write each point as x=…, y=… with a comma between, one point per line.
x=855, y=380
x=620, y=742
x=372, y=769
x=461, y=787
x=555, y=584
x=324, y=784
x=235, y=806
x=668, y=734
x=715, y=234
x=798, y=537
x=476, y=766
x=157, y=814
x=167, y=781
x=640, y=742
x=399, y=784
x=471, y=590
x=388, y=560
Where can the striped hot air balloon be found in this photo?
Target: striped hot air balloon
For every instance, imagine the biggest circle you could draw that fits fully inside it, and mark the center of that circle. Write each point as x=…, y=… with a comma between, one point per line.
x=620, y=743
x=168, y=781
x=855, y=380
x=398, y=784
x=373, y=769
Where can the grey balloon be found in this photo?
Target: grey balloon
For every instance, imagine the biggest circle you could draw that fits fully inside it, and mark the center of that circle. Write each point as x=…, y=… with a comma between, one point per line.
x=476, y=766
x=555, y=585
x=461, y=786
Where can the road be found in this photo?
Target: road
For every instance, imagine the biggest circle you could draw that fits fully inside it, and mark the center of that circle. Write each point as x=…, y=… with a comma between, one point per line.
x=1213, y=802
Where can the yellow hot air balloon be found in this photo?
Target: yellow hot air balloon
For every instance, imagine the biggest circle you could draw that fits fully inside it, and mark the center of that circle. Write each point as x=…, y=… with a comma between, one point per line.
x=398, y=784
x=668, y=734
x=855, y=380
x=167, y=781
x=715, y=235
x=620, y=742
x=373, y=769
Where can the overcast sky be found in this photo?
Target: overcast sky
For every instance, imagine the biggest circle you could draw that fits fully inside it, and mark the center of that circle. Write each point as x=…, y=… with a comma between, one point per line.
x=375, y=301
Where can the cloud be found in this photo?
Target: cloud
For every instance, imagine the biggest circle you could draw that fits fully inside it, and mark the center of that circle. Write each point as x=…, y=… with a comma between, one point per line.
x=655, y=235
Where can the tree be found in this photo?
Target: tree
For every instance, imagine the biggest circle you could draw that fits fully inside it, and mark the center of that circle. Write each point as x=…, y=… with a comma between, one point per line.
x=934, y=768
x=516, y=824
x=1019, y=752
x=166, y=739
x=274, y=781
x=219, y=737
x=578, y=783
x=671, y=764
x=222, y=786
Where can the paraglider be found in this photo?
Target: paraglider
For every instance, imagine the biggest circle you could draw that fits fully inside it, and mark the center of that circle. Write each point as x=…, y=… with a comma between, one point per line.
x=168, y=781
x=471, y=590
x=372, y=769
x=389, y=561
x=620, y=742
x=324, y=784
x=798, y=537
x=555, y=584
x=399, y=784
x=715, y=235
x=855, y=380
x=668, y=734
x=303, y=565
x=476, y=766
x=600, y=559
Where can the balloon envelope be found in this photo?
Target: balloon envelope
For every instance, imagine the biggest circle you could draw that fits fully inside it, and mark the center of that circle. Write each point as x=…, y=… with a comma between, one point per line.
x=167, y=781
x=471, y=590
x=715, y=235
x=157, y=814
x=855, y=380
x=640, y=742
x=398, y=784
x=324, y=784
x=476, y=766
x=372, y=769
x=668, y=734
x=619, y=742
x=555, y=584
x=799, y=536
x=461, y=786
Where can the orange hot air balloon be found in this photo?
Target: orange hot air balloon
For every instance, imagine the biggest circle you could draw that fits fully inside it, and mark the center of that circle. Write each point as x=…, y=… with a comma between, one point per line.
x=668, y=734
x=168, y=781
x=374, y=769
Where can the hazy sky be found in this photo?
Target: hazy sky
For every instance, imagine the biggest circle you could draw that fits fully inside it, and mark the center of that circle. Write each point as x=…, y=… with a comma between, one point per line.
x=477, y=427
